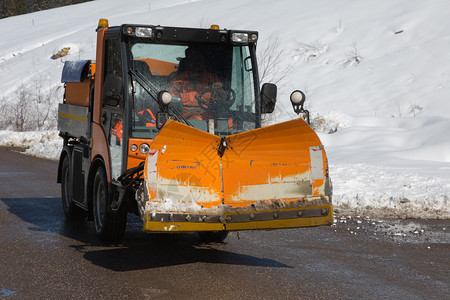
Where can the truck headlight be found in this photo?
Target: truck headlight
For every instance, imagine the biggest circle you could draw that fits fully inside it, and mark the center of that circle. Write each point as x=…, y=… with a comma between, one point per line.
x=143, y=32
x=144, y=148
x=239, y=37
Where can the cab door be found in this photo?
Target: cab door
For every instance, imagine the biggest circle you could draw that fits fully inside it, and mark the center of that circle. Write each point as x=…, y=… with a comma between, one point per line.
x=113, y=102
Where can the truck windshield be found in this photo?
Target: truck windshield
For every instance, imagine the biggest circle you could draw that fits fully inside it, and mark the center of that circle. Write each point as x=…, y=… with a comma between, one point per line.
x=212, y=86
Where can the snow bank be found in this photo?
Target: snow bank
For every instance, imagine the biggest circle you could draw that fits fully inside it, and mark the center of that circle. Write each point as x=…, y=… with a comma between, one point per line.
x=46, y=144
x=378, y=191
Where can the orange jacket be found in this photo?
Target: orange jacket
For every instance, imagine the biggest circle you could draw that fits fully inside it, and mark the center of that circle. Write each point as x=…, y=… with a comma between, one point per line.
x=147, y=113
x=118, y=131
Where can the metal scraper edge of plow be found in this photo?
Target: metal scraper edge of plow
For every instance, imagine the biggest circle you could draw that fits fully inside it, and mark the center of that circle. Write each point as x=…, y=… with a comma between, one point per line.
x=239, y=218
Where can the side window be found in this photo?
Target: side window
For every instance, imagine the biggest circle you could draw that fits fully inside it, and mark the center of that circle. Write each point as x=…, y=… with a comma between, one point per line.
x=242, y=80
x=112, y=83
x=113, y=104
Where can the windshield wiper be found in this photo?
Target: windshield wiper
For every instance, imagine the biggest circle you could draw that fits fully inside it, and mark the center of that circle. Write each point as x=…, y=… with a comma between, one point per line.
x=152, y=90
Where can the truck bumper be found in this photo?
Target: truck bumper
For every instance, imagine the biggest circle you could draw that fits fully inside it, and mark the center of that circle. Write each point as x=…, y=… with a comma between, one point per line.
x=234, y=221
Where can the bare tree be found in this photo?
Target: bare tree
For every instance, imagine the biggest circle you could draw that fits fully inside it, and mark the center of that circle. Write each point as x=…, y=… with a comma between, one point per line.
x=21, y=111
x=270, y=62
x=31, y=108
x=43, y=105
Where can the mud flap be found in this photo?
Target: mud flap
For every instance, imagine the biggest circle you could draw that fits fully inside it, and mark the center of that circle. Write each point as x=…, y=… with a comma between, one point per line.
x=268, y=178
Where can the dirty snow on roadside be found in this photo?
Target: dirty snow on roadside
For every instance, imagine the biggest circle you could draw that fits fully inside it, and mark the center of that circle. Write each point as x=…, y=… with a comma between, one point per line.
x=377, y=191
x=46, y=144
x=375, y=75
x=425, y=232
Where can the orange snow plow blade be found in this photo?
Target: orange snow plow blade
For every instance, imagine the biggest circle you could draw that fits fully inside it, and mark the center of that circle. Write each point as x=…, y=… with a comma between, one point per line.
x=268, y=178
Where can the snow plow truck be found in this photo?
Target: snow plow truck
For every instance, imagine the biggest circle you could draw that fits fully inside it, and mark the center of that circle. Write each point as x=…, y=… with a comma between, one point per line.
x=134, y=144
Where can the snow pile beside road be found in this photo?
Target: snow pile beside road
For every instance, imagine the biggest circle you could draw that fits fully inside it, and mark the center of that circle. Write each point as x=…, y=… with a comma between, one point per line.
x=31, y=139
x=45, y=144
x=377, y=191
x=46, y=149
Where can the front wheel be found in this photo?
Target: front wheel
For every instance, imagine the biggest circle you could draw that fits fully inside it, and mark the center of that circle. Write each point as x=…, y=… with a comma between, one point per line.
x=109, y=224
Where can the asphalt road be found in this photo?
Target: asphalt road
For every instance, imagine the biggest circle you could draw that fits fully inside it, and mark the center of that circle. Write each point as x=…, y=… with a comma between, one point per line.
x=43, y=256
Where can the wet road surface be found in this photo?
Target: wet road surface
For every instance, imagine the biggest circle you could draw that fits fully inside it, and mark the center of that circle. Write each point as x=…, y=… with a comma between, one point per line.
x=43, y=256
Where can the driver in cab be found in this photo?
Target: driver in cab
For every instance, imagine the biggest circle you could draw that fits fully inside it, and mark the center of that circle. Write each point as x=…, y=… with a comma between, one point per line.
x=196, y=81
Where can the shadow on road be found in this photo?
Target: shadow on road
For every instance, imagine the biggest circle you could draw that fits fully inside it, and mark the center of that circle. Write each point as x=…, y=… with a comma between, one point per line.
x=138, y=250
x=176, y=249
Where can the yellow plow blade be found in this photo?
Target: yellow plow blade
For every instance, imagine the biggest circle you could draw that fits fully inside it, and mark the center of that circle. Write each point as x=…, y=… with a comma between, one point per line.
x=267, y=178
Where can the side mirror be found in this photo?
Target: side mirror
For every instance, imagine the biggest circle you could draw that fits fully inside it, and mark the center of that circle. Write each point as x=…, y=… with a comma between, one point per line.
x=298, y=99
x=268, y=98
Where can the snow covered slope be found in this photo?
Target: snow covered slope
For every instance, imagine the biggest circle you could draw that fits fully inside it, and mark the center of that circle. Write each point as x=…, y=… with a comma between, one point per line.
x=375, y=74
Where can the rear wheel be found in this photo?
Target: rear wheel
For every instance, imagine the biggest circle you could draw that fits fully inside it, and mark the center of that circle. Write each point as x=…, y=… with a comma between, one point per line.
x=71, y=210
x=213, y=236
x=109, y=224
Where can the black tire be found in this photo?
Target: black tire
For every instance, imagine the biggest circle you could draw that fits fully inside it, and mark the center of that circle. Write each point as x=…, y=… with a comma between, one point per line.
x=71, y=210
x=109, y=225
x=213, y=236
